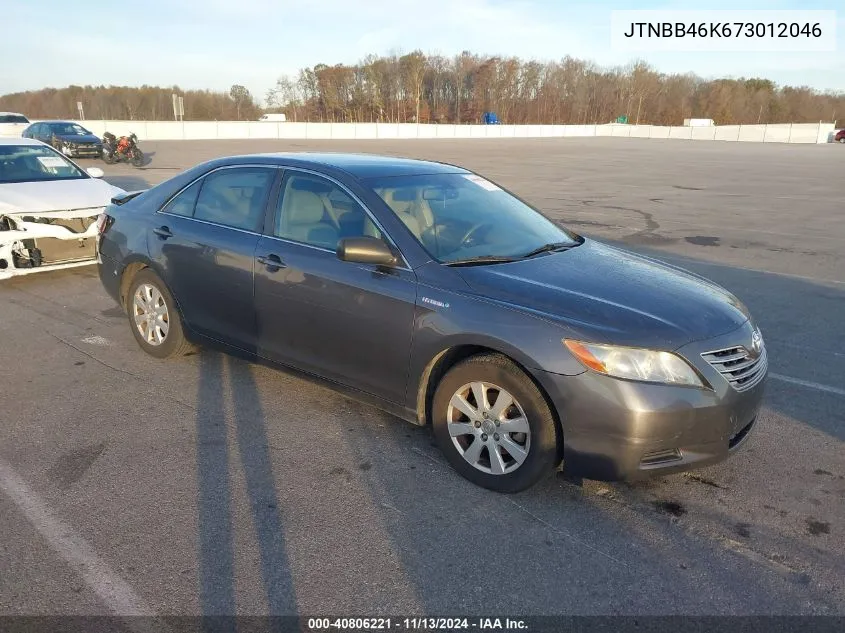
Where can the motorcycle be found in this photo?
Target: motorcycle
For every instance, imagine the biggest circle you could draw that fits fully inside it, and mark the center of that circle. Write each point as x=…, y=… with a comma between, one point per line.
x=122, y=150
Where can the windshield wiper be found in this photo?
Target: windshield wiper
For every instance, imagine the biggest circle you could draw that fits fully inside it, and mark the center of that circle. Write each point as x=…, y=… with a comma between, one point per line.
x=546, y=248
x=481, y=259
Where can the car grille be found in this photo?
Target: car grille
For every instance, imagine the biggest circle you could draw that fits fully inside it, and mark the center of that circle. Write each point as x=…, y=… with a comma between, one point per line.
x=739, y=368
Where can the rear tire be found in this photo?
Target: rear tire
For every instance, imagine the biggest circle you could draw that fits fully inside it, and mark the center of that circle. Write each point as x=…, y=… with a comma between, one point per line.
x=526, y=457
x=154, y=317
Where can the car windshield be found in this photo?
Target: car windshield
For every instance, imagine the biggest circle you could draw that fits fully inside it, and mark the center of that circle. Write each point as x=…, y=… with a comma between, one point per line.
x=458, y=217
x=68, y=129
x=12, y=118
x=35, y=163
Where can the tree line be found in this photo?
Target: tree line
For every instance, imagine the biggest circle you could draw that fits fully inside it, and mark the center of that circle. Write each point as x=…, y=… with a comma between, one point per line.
x=147, y=103
x=434, y=88
x=437, y=89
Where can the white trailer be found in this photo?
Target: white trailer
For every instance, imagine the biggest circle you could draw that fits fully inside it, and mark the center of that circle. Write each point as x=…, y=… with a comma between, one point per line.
x=699, y=122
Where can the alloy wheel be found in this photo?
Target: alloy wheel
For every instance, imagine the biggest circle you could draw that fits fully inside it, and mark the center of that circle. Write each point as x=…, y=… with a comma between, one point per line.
x=488, y=427
x=151, y=315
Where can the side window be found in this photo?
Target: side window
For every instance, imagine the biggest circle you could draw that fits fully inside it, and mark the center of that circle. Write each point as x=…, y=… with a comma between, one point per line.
x=316, y=211
x=235, y=197
x=183, y=203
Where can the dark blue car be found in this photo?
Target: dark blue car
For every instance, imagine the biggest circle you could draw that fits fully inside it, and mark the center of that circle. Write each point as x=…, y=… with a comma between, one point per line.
x=439, y=296
x=68, y=137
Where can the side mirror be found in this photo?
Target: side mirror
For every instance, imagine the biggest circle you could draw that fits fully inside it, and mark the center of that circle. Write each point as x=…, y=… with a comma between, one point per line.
x=365, y=250
x=95, y=172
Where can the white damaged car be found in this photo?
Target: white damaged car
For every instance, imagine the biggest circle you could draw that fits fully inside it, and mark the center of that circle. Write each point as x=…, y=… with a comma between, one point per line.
x=48, y=208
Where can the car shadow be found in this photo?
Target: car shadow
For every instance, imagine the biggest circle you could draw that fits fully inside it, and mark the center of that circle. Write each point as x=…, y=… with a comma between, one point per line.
x=148, y=158
x=220, y=374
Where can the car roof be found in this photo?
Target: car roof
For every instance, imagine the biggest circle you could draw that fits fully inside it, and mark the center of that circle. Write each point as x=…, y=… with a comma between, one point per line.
x=360, y=165
x=15, y=113
x=15, y=140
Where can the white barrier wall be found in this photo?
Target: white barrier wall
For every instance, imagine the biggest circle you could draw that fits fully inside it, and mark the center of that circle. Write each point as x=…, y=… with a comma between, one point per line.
x=208, y=130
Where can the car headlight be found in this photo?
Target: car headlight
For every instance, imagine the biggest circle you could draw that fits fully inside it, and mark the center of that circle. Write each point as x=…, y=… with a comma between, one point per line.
x=635, y=363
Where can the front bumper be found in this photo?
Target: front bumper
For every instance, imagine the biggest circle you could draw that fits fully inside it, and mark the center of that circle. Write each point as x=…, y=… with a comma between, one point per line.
x=82, y=151
x=47, y=240
x=625, y=430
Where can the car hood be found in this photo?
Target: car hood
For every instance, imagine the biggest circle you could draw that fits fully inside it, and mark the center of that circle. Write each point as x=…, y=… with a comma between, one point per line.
x=55, y=195
x=78, y=138
x=603, y=293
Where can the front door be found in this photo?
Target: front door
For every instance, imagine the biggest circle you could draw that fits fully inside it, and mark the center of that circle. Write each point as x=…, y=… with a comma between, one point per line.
x=351, y=323
x=204, y=243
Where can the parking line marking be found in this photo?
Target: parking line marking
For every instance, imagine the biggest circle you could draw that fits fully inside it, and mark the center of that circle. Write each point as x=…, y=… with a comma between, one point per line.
x=809, y=384
x=114, y=592
x=97, y=340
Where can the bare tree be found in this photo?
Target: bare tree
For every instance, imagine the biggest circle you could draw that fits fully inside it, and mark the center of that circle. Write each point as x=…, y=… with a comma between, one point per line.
x=286, y=94
x=462, y=66
x=414, y=66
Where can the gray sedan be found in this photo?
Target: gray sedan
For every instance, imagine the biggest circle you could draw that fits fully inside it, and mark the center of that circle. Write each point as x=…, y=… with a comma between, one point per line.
x=437, y=295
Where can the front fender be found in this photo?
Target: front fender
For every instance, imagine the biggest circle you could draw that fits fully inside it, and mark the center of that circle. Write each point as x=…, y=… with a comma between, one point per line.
x=460, y=320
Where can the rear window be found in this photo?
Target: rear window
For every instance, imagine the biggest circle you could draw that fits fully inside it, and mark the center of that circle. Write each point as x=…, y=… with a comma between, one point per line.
x=13, y=118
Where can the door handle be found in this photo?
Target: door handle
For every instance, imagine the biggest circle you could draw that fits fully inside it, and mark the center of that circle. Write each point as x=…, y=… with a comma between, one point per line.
x=272, y=261
x=163, y=232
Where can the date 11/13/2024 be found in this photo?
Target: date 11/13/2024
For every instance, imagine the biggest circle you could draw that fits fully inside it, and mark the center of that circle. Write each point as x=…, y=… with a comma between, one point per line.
x=416, y=624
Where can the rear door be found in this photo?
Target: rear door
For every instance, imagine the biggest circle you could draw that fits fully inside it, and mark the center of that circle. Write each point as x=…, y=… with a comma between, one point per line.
x=204, y=242
x=36, y=131
x=348, y=322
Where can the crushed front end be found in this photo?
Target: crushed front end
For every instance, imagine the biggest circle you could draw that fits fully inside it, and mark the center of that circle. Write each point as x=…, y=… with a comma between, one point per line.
x=50, y=240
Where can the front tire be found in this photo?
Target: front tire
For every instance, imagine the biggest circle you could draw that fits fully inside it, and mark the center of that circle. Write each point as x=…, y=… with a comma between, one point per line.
x=493, y=424
x=137, y=158
x=154, y=317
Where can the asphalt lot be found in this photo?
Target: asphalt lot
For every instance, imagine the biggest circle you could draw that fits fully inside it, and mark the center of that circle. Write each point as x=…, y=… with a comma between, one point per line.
x=211, y=485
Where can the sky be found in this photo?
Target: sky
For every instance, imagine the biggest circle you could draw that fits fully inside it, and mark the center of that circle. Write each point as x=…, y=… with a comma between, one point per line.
x=212, y=44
